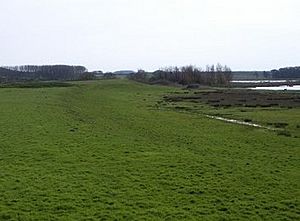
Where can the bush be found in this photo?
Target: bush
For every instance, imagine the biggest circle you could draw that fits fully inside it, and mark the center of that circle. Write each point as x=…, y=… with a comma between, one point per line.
x=109, y=75
x=280, y=125
x=87, y=76
x=284, y=133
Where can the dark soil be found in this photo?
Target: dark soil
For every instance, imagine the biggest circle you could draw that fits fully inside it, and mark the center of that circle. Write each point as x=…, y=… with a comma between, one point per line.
x=245, y=98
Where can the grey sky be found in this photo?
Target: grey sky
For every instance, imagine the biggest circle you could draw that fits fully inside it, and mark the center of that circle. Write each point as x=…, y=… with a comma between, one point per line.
x=130, y=34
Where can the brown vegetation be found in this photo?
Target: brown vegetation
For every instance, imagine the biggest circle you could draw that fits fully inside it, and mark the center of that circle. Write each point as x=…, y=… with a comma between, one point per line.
x=246, y=98
x=213, y=75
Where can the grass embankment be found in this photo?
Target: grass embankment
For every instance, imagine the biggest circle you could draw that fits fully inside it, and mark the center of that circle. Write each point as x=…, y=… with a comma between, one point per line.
x=105, y=150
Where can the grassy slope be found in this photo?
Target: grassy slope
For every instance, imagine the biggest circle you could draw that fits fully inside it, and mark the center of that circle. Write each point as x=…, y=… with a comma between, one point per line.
x=101, y=151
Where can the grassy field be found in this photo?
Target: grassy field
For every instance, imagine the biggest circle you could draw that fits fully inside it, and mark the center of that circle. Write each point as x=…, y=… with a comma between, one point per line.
x=108, y=150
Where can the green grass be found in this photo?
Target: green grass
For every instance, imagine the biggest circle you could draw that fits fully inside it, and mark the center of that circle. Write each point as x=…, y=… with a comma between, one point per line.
x=105, y=151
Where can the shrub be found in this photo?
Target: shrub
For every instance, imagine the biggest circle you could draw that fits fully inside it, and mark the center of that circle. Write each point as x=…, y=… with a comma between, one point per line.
x=280, y=125
x=284, y=133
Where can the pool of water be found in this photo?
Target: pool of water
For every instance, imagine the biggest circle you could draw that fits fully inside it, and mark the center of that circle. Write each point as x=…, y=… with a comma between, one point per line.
x=279, y=88
x=263, y=81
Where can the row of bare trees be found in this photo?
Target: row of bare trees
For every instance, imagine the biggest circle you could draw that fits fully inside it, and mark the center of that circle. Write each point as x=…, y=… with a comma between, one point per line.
x=43, y=72
x=47, y=68
x=211, y=75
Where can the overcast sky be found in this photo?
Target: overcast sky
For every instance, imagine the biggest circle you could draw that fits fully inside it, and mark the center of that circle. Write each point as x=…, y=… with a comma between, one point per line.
x=130, y=34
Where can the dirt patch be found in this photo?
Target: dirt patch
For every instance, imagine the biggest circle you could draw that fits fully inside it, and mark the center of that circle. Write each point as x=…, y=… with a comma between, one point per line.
x=245, y=98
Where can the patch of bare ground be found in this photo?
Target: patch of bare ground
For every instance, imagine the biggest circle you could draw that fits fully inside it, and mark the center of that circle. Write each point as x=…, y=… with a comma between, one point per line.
x=245, y=98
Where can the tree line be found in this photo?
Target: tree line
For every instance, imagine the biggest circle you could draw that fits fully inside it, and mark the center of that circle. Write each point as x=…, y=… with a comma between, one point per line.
x=43, y=72
x=286, y=73
x=211, y=75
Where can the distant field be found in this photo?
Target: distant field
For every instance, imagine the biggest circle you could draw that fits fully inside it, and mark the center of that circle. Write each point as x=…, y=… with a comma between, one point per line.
x=117, y=150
